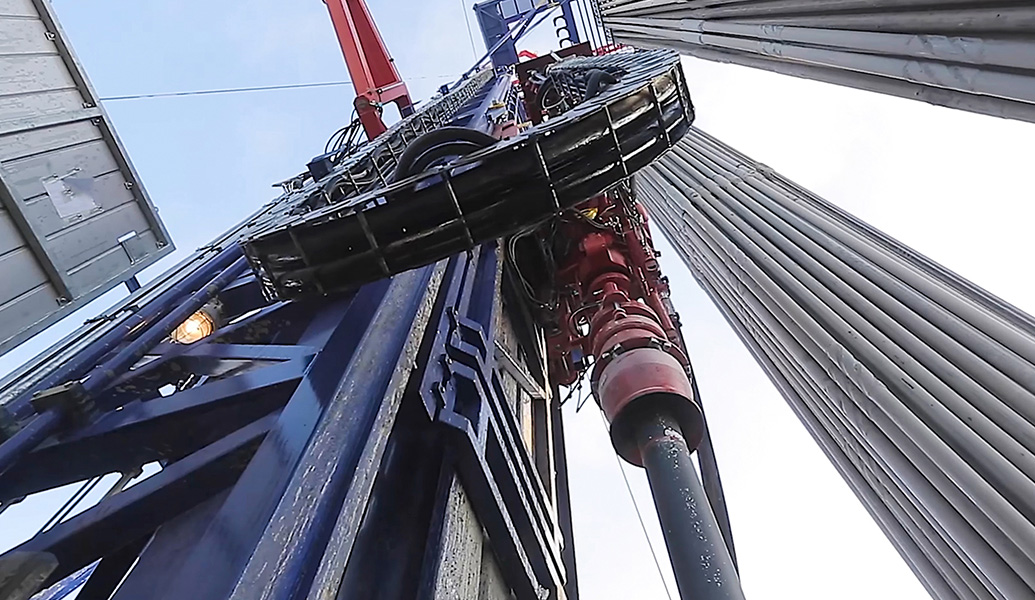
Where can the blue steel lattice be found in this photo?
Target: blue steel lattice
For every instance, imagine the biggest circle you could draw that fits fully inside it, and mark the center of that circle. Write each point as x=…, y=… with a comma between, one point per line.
x=299, y=434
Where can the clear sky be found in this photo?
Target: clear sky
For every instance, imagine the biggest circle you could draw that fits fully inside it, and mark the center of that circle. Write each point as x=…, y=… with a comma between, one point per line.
x=952, y=185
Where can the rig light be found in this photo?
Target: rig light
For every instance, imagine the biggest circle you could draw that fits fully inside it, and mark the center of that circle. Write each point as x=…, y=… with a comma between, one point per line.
x=199, y=325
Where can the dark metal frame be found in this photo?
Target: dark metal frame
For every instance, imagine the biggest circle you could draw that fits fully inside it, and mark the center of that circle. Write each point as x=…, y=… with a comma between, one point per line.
x=461, y=388
x=518, y=182
x=306, y=434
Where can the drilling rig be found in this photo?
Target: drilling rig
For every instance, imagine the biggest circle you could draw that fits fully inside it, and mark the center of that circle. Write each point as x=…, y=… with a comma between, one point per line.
x=356, y=392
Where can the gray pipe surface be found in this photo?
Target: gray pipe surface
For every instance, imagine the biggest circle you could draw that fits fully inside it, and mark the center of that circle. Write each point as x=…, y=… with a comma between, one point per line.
x=969, y=55
x=918, y=385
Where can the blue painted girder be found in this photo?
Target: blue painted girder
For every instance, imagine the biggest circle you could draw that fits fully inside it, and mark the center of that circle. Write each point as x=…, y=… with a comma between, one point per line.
x=139, y=510
x=461, y=389
x=285, y=505
x=159, y=428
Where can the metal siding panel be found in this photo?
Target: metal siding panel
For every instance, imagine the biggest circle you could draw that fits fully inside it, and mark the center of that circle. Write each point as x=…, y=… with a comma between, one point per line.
x=17, y=8
x=52, y=130
x=71, y=251
x=21, y=274
x=113, y=262
x=10, y=238
x=24, y=36
x=78, y=257
x=26, y=176
x=33, y=306
x=14, y=146
x=109, y=195
x=42, y=103
x=28, y=74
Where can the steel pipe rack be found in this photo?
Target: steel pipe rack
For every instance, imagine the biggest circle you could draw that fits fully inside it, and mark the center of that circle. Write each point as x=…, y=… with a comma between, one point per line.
x=918, y=385
x=970, y=55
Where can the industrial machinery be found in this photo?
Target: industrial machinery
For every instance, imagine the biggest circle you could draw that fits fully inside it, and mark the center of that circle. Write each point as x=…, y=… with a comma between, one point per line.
x=356, y=392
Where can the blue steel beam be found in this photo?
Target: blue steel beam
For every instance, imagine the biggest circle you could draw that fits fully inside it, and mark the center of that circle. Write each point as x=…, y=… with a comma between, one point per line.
x=276, y=325
x=401, y=516
x=126, y=331
x=167, y=550
x=479, y=113
x=495, y=18
x=570, y=24
x=144, y=507
x=332, y=481
x=462, y=391
x=67, y=586
x=362, y=334
x=101, y=376
x=344, y=454
x=76, y=396
x=110, y=571
x=159, y=428
x=495, y=29
x=207, y=358
x=527, y=23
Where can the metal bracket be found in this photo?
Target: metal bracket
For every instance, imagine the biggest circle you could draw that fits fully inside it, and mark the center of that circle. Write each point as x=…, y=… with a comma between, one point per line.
x=519, y=373
x=69, y=399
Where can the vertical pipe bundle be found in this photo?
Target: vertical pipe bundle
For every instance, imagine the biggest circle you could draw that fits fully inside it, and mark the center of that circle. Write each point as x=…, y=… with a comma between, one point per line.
x=918, y=385
x=971, y=55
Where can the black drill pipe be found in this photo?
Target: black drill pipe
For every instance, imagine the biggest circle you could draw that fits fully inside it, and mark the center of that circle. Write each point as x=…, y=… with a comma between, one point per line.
x=700, y=560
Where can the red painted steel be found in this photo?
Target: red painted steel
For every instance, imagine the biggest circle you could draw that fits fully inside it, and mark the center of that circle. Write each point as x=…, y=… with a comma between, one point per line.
x=641, y=383
x=371, y=68
x=614, y=306
x=538, y=64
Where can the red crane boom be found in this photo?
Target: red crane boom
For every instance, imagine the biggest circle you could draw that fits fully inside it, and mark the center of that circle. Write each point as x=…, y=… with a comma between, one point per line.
x=371, y=68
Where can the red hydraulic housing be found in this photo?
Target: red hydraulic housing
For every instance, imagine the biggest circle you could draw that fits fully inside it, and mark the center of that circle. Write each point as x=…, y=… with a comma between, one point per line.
x=614, y=306
x=373, y=71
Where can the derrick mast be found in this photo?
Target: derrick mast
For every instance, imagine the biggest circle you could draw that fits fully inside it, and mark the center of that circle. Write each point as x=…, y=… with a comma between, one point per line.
x=358, y=384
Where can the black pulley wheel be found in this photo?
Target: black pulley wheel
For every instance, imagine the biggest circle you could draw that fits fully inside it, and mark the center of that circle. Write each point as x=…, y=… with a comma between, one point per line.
x=439, y=146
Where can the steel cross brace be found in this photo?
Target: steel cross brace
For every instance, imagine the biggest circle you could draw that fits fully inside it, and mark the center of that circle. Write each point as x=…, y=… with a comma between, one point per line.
x=309, y=471
x=303, y=378
x=144, y=507
x=156, y=429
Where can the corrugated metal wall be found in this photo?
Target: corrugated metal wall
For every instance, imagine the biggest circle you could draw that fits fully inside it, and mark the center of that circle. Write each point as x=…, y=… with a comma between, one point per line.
x=74, y=218
x=976, y=56
x=918, y=385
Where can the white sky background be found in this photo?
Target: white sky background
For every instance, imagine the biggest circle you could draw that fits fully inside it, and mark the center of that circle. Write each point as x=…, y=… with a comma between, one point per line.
x=950, y=184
